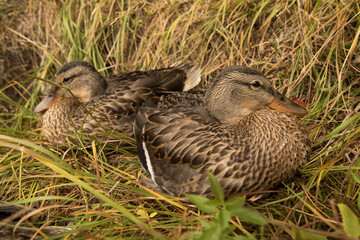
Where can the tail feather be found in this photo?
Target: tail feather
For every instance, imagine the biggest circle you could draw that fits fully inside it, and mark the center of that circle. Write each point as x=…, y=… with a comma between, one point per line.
x=181, y=76
x=192, y=71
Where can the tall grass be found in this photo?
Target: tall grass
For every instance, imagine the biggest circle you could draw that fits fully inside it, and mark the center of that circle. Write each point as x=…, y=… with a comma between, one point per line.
x=309, y=49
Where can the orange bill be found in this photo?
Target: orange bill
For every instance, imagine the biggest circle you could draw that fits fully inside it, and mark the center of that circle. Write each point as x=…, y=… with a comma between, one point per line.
x=285, y=105
x=46, y=103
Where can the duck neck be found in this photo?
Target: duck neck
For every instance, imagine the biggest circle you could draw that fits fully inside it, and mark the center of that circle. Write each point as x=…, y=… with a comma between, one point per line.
x=62, y=109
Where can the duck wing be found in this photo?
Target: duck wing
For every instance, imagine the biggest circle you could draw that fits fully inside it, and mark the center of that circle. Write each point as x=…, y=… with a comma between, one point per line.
x=192, y=98
x=181, y=76
x=178, y=146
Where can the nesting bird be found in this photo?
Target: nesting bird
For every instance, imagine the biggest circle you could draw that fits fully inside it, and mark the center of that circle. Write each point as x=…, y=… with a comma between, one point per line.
x=242, y=130
x=83, y=103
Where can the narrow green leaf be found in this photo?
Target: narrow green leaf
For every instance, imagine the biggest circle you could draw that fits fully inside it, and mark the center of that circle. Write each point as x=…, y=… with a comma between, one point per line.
x=211, y=233
x=204, y=204
x=249, y=215
x=357, y=180
x=223, y=218
x=216, y=187
x=356, y=177
x=235, y=202
x=194, y=235
x=342, y=126
x=350, y=221
x=303, y=235
x=229, y=230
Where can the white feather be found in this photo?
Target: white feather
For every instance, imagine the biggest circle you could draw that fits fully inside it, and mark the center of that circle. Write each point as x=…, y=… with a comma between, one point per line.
x=148, y=163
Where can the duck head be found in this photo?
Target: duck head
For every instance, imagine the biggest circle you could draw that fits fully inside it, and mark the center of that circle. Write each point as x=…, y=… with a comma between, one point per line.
x=78, y=77
x=238, y=91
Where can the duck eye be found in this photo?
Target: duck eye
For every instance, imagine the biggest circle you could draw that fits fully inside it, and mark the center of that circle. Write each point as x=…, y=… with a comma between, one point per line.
x=66, y=79
x=255, y=84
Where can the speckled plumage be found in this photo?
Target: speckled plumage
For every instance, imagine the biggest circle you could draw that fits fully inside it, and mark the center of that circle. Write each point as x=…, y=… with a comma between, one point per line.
x=253, y=151
x=103, y=106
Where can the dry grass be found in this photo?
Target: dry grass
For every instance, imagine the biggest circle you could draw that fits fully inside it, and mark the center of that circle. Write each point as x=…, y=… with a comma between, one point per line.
x=309, y=49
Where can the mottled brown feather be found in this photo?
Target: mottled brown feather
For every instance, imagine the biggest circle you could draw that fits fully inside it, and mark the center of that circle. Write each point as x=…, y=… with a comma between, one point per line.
x=184, y=141
x=114, y=103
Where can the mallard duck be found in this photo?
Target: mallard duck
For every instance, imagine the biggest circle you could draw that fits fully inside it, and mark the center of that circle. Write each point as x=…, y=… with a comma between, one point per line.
x=241, y=130
x=84, y=103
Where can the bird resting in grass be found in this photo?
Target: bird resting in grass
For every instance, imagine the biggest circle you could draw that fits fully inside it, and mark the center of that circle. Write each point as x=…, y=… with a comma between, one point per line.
x=83, y=105
x=241, y=130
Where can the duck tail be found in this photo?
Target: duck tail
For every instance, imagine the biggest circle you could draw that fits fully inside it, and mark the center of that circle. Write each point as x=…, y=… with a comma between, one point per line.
x=192, y=71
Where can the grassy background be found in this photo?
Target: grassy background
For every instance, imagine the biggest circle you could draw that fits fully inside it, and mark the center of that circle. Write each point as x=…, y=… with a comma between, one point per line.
x=309, y=49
